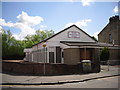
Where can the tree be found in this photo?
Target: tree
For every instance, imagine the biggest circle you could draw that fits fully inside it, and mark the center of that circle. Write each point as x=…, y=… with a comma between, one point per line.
x=30, y=40
x=104, y=55
x=13, y=49
x=44, y=34
x=94, y=38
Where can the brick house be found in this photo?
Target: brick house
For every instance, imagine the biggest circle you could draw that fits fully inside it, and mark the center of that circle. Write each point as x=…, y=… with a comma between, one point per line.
x=69, y=47
x=110, y=34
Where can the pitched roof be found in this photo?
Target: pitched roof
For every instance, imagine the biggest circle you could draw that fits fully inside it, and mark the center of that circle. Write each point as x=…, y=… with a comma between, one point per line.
x=94, y=44
x=111, y=19
x=71, y=43
x=65, y=30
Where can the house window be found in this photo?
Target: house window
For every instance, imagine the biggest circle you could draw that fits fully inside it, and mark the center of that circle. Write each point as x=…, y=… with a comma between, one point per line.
x=51, y=57
x=73, y=34
x=77, y=34
x=58, y=55
x=110, y=38
x=70, y=34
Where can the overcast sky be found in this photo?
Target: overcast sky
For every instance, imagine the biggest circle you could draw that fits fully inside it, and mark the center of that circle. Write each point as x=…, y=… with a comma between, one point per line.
x=24, y=18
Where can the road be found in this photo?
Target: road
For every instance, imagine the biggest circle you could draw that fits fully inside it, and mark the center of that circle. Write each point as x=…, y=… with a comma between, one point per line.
x=110, y=82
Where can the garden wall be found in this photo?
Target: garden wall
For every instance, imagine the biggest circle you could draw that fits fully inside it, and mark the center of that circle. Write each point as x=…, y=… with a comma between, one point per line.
x=38, y=68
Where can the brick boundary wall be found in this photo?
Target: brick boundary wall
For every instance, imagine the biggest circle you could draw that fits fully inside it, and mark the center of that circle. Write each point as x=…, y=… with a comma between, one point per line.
x=51, y=69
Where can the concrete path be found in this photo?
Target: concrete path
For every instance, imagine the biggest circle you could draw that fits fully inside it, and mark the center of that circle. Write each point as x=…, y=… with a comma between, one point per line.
x=45, y=80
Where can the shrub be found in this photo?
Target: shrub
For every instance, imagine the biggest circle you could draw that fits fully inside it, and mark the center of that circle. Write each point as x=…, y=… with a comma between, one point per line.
x=104, y=55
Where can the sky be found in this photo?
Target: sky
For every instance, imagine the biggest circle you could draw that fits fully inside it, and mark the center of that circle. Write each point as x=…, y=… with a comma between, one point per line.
x=23, y=18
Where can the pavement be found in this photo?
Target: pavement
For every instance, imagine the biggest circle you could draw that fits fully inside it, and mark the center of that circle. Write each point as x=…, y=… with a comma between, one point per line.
x=8, y=79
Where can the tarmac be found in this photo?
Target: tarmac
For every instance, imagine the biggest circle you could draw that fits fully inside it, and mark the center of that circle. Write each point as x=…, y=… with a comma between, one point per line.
x=8, y=79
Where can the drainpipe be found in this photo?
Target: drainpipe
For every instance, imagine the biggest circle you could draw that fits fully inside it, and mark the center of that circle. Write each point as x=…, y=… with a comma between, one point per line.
x=113, y=42
x=85, y=52
x=37, y=53
x=44, y=60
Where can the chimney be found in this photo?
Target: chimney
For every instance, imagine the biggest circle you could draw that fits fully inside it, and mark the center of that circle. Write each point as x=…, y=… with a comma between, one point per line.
x=114, y=18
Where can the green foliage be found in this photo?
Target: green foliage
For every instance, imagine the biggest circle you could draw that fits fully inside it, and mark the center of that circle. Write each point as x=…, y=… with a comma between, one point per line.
x=13, y=49
x=94, y=38
x=104, y=55
x=30, y=40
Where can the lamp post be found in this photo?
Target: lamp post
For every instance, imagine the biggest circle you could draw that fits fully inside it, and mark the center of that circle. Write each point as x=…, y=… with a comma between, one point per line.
x=44, y=45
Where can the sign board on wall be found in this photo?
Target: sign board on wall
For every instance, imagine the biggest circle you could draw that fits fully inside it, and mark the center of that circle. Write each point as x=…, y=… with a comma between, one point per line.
x=73, y=34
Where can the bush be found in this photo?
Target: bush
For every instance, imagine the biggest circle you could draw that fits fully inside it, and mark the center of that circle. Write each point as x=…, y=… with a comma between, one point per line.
x=104, y=55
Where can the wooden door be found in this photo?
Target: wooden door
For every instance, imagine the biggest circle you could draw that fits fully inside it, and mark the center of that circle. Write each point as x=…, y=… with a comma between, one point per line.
x=86, y=55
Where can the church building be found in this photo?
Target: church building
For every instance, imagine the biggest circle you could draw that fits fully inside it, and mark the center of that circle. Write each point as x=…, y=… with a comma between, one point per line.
x=69, y=46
